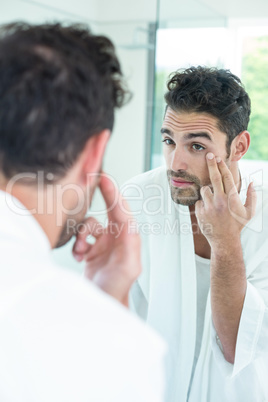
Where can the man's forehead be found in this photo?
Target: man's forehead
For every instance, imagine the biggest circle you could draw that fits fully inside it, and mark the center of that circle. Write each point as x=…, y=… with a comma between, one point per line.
x=180, y=122
x=193, y=121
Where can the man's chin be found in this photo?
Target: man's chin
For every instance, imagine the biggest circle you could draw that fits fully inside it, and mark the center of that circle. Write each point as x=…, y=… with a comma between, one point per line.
x=186, y=198
x=64, y=239
x=184, y=201
x=71, y=226
x=69, y=230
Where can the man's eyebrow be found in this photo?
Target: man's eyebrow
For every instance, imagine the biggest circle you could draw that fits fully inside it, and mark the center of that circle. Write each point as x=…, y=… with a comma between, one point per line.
x=166, y=131
x=196, y=135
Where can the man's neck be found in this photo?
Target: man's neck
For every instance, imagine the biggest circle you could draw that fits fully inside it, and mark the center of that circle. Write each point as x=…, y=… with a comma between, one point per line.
x=201, y=245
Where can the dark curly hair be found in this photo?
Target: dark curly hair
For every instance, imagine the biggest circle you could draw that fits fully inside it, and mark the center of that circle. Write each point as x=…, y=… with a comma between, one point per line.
x=59, y=85
x=214, y=91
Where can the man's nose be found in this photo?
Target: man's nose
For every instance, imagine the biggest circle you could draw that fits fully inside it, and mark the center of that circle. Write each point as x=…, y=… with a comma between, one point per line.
x=179, y=161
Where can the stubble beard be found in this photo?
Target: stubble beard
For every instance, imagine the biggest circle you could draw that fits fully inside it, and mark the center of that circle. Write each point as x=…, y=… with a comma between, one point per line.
x=189, y=196
x=67, y=233
x=70, y=230
x=185, y=196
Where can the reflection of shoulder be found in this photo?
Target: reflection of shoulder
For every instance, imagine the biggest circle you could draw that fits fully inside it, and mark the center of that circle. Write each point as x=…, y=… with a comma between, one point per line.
x=147, y=194
x=254, y=236
x=265, y=197
x=262, y=202
x=157, y=176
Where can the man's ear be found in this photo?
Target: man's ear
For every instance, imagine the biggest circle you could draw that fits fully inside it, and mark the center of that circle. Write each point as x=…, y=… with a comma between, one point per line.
x=240, y=146
x=92, y=156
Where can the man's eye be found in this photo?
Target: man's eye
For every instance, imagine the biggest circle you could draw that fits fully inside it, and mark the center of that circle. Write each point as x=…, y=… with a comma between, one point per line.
x=168, y=141
x=197, y=147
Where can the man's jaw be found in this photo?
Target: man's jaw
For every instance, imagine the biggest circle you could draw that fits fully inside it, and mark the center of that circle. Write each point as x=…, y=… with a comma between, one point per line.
x=185, y=189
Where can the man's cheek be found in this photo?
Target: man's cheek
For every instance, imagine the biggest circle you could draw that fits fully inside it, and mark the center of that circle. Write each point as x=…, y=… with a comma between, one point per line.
x=205, y=180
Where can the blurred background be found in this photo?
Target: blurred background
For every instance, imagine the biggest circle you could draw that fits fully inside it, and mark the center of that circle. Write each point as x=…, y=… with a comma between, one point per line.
x=154, y=38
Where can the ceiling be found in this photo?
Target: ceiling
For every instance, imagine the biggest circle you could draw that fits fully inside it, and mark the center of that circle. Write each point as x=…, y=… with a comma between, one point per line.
x=238, y=8
x=122, y=11
x=196, y=10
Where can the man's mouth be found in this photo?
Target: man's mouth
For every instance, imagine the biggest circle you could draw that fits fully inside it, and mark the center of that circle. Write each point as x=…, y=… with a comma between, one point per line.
x=181, y=183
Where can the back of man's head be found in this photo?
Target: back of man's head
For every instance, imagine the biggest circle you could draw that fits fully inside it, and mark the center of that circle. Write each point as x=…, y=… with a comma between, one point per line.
x=217, y=92
x=58, y=87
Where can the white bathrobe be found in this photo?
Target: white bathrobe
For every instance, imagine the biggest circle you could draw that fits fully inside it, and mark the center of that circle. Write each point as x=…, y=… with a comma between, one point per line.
x=165, y=296
x=61, y=338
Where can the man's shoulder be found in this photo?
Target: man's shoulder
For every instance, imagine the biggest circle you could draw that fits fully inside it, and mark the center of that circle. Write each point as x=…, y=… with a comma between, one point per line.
x=90, y=298
x=64, y=293
x=64, y=318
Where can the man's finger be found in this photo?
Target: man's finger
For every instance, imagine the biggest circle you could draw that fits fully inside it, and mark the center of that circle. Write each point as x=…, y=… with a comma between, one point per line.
x=80, y=257
x=214, y=174
x=89, y=227
x=117, y=207
x=199, y=208
x=206, y=194
x=227, y=177
x=251, y=201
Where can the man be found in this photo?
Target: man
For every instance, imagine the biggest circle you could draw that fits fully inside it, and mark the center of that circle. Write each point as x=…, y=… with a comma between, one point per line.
x=62, y=338
x=205, y=281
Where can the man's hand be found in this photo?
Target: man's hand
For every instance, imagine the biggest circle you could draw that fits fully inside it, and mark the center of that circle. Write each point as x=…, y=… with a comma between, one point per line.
x=221, y=214
x=113, y=262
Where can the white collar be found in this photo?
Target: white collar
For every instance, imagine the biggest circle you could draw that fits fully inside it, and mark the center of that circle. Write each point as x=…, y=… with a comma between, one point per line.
x=18, y=222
